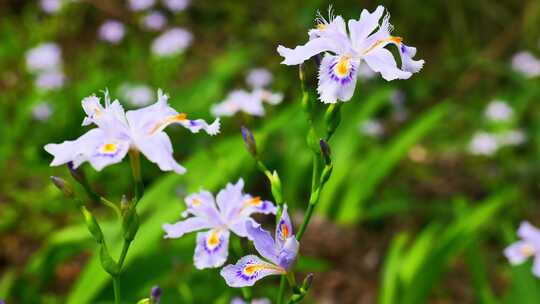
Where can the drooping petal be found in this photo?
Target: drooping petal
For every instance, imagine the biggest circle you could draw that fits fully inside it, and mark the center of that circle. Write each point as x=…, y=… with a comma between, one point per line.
x=200, y=124
x=530, y=234
x=303, y=52
x=337, y=78
x=251, y=204
x=287, y=254
x=263, y=242
x=518, y=252
x=368, y=22
x=201, y=204
x=284, y=228
x=382, y=61
x=212, y=248
x=249, y=270
x=180, y=228
x=158, y=149
x=407, y=62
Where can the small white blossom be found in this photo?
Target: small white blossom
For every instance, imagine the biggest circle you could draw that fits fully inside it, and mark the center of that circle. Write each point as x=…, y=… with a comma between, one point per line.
x=176, y=5
x=42, y=111
x=498, y=110
x=483, y=143
x=50, y=6
x=50, y=80
x=137, y=94
x=45, y=56
x=526, y=64
x=154, y=21
x=511, y=138
x=372, y=128
x=141, y=5
x=172, y=42
x=258, y=78
x=112, y=31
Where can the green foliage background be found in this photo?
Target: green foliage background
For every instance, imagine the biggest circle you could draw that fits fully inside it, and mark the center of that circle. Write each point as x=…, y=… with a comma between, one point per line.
x=446, y=213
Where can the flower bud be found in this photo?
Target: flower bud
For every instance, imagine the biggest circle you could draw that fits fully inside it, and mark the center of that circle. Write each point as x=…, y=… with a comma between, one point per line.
x=332, y=118
x=92, y=225
x=130, y=224
x=308, y=280
x=63, y=185
x=77, y=174
x=155, y=295
x=325, y=151
x=107, y=262
x=124, y=204
x=275, y=185
x=249, y=140
x=325, y=175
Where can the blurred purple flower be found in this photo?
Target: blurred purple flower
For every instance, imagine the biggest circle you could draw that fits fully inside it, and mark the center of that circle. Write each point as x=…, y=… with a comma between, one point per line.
x=50, y=80
x=234, y=209
x=136, y=94
x=528, y=246
x=45, y=56
x=365, y=41
x=372, y=128
x=171, y=42
x=511, y=138
x=118, y=131
x=140, y=5
x=258, y=78
x=525, y=63
x=483, y=143
x=498, y=110
x=112, y=31
x=176, y=5
x=42, y=111
x=238, y=101
x=280, y=254
x=50, y=6
x=238, y=300
x=154, y=21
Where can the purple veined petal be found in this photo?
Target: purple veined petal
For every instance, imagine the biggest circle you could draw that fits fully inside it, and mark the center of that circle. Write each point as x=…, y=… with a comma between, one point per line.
x=288, y=253
x=360, y=29
x=212, y=248
x=382, y=61
x=518, y=252
x=201, y=204
x=249, y=270
x=158, y=149
x=107, y=152
x=234, y=103
x=303, y=52
x=200, y=124
x=255, y=204
x=408, y=63
x=536, y=266
x=229, y=199
x=337, y=78
x=263, y=242
x=284, y=228
x=529, y=233
x=180, y=228
x=75, y=151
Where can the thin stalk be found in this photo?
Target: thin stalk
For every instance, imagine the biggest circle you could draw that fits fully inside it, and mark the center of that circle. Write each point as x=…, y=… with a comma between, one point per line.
x=135, y=161
x=116, y=286
x=123, y=254
x=281, y=293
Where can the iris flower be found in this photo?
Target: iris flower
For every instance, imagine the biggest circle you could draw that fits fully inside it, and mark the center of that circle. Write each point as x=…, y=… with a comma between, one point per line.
x=279, y=254
x=117, y=132
x=234, y=208
x=365, y=40
x=528, y=246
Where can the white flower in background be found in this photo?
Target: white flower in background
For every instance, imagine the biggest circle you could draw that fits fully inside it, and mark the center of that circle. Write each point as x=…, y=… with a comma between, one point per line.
x=50, y=80
x=176, y=5
x=397, y=99
x=154, y=21
x=483, y=143
x=172, y=42
x=45, y=56
x=238, y=101
x=141, y=5
x=42, y=111
x=112, y=31
x=50, y=6
x=372, y=128
x=525, y=63
x=511, y=138
x=498, y=110
x=258, y=78
x=136, y=94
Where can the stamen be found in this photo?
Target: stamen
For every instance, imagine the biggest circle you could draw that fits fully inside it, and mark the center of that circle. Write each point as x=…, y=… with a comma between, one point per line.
x=256, y=201
x=392, y=39
x=108, y=148
x=342, y=67
x=250, y=269
x=196, y=202
x=284, y=231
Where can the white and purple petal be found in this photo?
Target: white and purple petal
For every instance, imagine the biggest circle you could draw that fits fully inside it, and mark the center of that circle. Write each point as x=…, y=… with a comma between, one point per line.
x=284, y=228
x=180, y=228
x=212, y=248
x=249, y=270
x=263, y=242
x=382, y=61
x=158, y=149
x=288, y=253
x=337, y=78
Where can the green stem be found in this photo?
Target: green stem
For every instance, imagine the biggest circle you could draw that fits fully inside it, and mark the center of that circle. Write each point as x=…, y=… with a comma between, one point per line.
x=123, y=254
x=135, y=161
x=116, y=286
x=281, y=293
x=111, y=205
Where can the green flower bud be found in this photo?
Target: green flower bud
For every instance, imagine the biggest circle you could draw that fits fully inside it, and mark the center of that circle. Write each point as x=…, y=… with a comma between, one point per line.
x=332, y=118
x=275, y=185
x=130, y=224
x=92, y=225
x=107, y=262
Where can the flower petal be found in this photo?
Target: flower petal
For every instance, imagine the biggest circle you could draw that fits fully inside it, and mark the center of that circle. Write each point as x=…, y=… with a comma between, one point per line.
x=288, y=253
x=536, y=266
x=518, y=252
x=229, y=199
x=302, y=53
x=361, y=28
x=212, y=248
x=158, y=149
x=180, y=228
x=200, y=124
x=249, y=270
x=201, y=204
x=263, y=242
x=284, y=229
x=337, y=78
x=382, y=61
x=530, y=234
x=407, y=62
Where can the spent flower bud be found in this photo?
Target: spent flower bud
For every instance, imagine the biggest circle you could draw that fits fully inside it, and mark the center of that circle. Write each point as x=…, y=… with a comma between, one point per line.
x=155, y=295
x=63, y=185
x=308, y=280
x=249, y=140
x=325, y=150
x=92, y=225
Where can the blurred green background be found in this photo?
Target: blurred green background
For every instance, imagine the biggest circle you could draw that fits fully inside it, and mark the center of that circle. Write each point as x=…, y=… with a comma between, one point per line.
x=428, y=186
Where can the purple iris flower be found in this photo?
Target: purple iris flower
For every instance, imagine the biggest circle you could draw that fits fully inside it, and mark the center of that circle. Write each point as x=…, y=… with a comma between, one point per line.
x=230, y=211
x=344, y=50
x=528, y=246
x=279, y=254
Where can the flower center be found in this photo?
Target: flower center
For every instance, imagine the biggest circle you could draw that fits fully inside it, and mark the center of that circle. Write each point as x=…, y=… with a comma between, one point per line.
x=527, y=250
x=321, y=26
x=213, y=239
x=284, y=231
x=196, y=202
x=109, y=148
x=342, y=67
